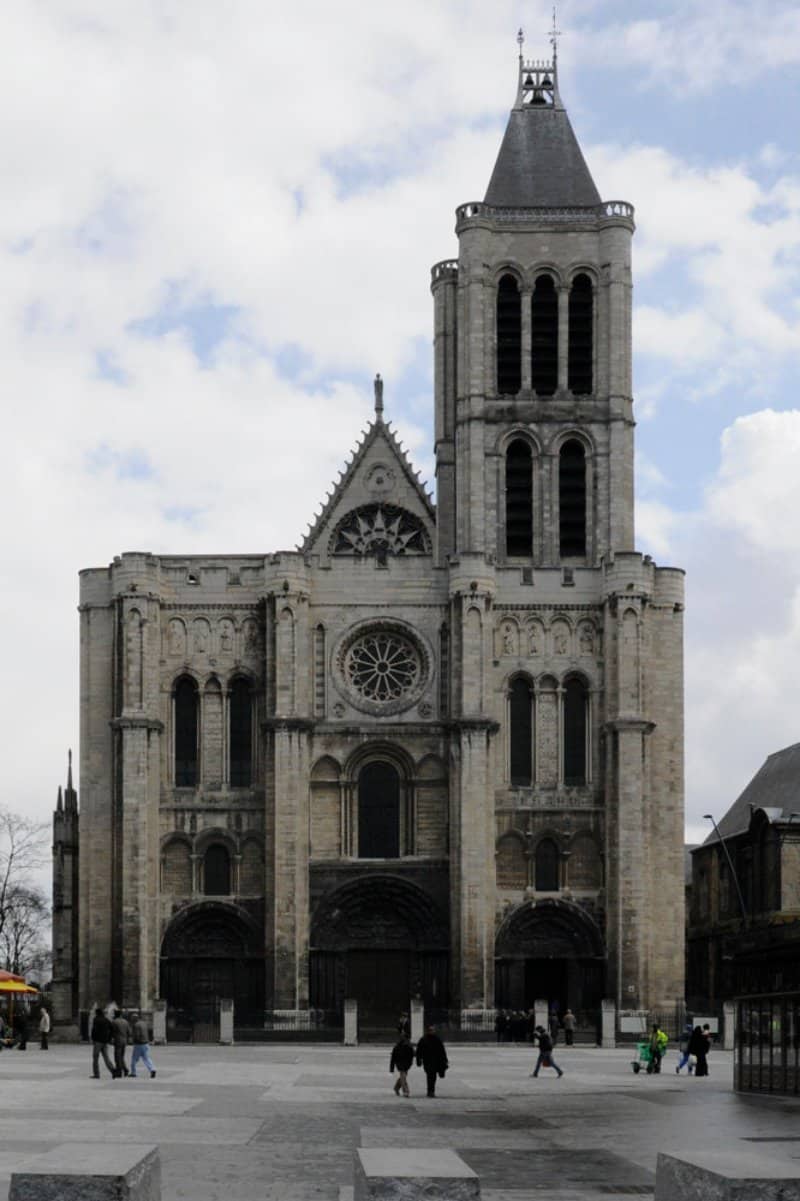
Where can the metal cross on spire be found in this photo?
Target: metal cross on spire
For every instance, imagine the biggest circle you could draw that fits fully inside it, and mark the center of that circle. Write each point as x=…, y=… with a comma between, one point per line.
x=555, y=34
x=520, y=41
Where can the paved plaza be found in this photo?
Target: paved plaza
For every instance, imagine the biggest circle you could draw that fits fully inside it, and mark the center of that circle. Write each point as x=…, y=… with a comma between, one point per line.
x=274, y=1122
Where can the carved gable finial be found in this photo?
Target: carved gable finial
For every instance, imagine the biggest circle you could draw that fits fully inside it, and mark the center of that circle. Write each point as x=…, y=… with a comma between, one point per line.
x=378, y=397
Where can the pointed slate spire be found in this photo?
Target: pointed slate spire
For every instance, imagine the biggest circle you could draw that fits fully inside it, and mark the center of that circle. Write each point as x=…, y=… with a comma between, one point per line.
x=59, y=802
x=540, y=164
x=70, y=795
x=378, y=398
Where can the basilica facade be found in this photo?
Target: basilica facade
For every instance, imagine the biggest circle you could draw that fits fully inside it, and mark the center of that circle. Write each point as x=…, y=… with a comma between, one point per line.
x=436, y=750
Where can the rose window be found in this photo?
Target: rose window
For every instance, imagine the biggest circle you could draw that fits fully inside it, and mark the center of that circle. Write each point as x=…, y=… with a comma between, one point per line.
x=382, y=667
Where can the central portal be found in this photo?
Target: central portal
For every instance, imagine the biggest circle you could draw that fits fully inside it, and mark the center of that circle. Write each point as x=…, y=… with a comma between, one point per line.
x=379, y=940
x=551, y=951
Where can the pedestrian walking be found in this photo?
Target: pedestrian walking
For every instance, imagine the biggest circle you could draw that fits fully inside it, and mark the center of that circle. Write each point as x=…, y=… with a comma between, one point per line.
x=402, y=1059
x=141, y=1046
x=121, y=1036
x=101, y=1035
x=658, y=1046
x=432, y=1056
x=568, y=1022
x=545, y=1057
x=553, y=1023
x=500, y=1023
x=21, y=1030
x=44, y=1029
x=685, y=1060
x=698, y=1046
x=404, y=1025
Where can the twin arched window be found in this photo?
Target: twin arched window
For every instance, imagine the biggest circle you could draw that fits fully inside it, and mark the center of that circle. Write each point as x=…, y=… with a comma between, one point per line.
x=574, y=732
x=187, y=729
x=545, y=349
x=572, y=496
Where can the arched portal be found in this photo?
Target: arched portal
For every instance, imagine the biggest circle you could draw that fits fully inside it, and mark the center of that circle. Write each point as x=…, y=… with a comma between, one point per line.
x=549, y=950
x=381, y=940
x=211, y=952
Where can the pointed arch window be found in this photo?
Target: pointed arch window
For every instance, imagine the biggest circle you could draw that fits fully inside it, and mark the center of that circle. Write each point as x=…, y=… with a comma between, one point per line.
x=544, y=336
x=572, y=499
x=576, y=711
x=546, y=876
x=519, y=499
x=520, y=727
x=378, y=812
x=509, y=336
x=241, y=734
x=581, y=334
x=185, y=733
x=217, y=871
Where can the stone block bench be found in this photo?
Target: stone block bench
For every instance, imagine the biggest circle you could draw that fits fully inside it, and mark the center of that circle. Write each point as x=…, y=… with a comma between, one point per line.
x=737, y=1174
x=408, y=1173
x=88, y=1172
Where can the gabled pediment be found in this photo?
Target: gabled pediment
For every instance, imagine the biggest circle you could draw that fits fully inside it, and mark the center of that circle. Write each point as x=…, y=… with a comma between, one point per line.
x=378, y=507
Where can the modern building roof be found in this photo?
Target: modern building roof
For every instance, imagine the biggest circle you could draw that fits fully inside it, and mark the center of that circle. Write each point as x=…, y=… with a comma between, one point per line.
x=540, y=164
x=775, y=788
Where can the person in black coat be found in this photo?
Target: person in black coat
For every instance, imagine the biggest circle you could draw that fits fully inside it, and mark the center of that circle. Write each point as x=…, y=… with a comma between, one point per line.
x=698, y=1046
x=21, y=1030
x=102, y=1033
x=432, y=1056
x=402, y=1059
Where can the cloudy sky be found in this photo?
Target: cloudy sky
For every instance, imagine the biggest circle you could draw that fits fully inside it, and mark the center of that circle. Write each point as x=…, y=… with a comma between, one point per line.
x=217, y=222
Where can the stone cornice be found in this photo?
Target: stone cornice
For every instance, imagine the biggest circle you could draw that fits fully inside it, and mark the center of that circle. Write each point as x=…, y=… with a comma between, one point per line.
x=302, y=725
x=137, y=723
x=629, y=724
x=469, y=725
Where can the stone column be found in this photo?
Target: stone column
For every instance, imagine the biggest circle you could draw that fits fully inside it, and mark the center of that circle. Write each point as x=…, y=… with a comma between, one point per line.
x=728, y=1026
x=159, y=1023
x=525, y=299
x=350, y=1022
x=290, y=857
x=417, y=1015
x=563, y=337
x=608, y=1023
x=226, y=1021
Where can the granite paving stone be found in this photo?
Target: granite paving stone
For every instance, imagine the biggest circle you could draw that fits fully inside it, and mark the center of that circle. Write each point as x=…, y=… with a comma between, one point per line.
x=281, y=1122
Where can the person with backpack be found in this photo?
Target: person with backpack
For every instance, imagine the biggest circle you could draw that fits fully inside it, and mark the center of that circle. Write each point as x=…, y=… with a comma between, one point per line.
x=545, y=1059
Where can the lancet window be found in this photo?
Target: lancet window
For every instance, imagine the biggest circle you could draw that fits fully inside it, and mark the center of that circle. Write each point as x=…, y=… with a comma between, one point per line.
x=217, y=871
x=378, y=811
x=544, y=336
x=546, y=866
x=185, y=708
x=509, y=336
x=520, y=725
x=572, y=499
x=519, y=499
x=581, y=335
x=576, y=711
x=241, y=734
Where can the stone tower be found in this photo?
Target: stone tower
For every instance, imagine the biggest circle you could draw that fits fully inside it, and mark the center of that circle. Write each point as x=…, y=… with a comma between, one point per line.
x=535, y=516
x=433, y=751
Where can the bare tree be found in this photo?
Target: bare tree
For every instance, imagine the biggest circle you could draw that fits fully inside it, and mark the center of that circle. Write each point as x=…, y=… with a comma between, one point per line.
x=23, y=945
x=24, y=911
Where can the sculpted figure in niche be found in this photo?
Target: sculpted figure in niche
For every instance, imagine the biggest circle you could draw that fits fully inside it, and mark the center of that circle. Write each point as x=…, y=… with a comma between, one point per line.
x=509, y=640
x=587, y=640
x=251, y=639
x=177, y=638
x=225, y=636
x=200, y=638
x=560, y=640
x=534, y=640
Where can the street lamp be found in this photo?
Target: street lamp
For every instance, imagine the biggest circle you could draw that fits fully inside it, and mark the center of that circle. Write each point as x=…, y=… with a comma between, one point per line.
x=708, y=818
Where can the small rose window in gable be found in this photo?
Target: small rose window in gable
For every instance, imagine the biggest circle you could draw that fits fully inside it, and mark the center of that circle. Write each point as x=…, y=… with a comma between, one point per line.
x=380, y=530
